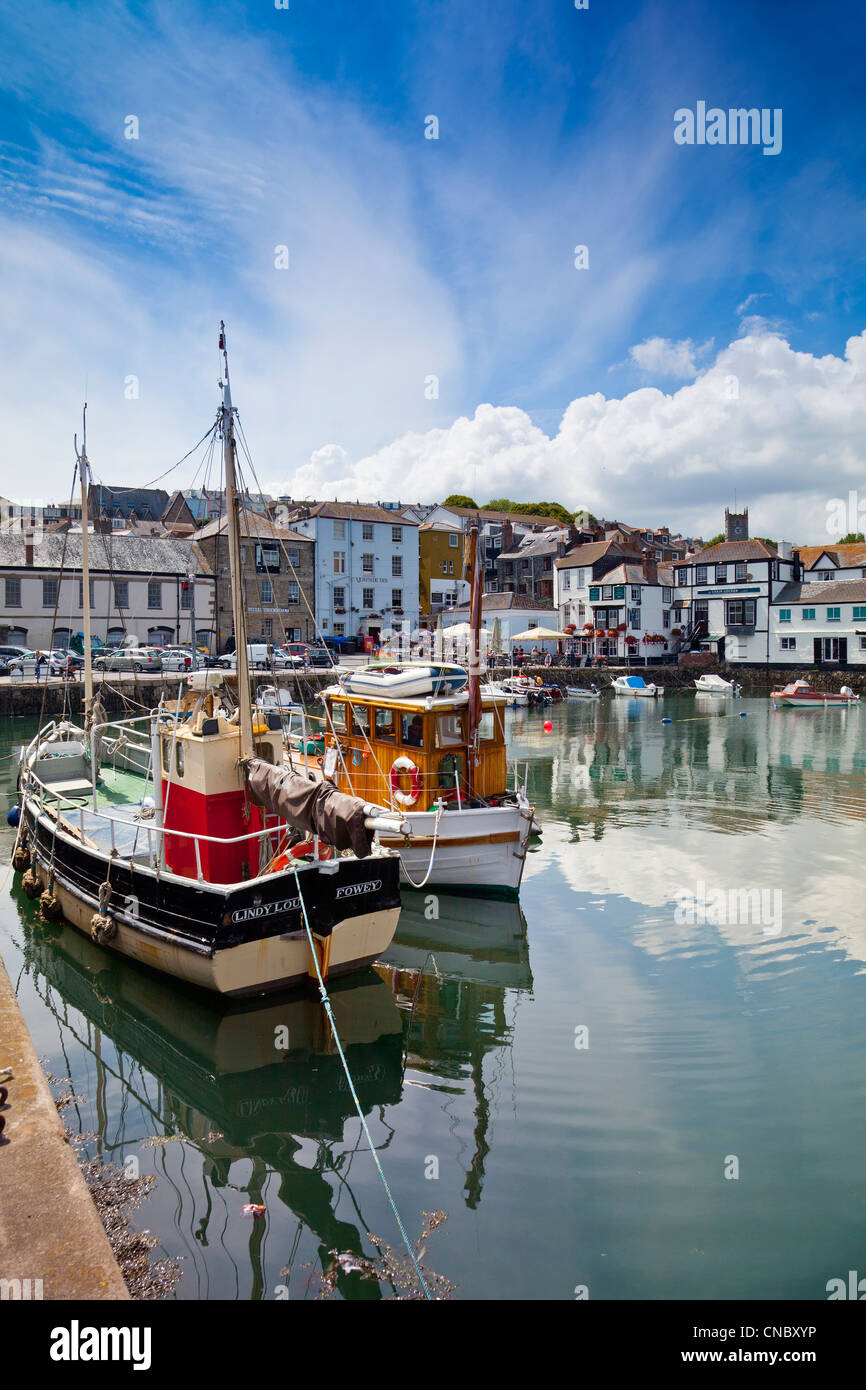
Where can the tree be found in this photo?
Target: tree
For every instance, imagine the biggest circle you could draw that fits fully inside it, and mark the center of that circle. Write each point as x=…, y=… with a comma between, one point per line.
x=458, y=500
x=717, y=540
x=852, y=538
x=553, y=510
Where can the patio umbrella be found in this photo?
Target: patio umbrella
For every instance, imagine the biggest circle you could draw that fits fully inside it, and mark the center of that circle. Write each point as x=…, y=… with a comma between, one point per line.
x=543, y=634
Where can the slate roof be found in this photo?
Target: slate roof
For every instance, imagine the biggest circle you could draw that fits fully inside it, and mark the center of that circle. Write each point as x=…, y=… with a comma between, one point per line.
x=845, y=556
x=824, y=591
x=120, y=555
x=352, y=511
x=254, y=527
x=728, y=551
x=587, y=554
x=147, y=503
x=502, y=603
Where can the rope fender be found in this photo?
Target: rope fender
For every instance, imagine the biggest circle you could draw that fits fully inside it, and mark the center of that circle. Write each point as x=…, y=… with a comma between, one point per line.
x=102, y=927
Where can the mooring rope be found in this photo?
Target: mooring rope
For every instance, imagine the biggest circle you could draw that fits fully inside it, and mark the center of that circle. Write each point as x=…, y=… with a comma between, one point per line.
x=329, y=1011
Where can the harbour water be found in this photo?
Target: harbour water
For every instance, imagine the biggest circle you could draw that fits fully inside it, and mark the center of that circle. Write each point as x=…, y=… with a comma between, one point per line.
x=646, y=1081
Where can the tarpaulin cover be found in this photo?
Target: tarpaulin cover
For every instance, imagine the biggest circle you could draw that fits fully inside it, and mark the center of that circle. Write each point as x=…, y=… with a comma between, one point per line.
x=315, y=807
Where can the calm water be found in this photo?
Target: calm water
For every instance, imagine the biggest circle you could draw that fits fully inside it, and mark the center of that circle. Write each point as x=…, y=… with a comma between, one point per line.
x=711, y=1043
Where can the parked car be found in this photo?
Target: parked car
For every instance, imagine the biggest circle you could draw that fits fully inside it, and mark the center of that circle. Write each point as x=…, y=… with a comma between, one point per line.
x=180, y=659
x=301, y=650
x=320, y=656
x=129, y=659
x=10, y=653
x=50, y=663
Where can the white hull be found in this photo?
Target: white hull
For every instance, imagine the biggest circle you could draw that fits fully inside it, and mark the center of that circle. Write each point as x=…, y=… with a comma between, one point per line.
x=576, y=692
x=719, y=687
x=804, y=702
x=481, y=848
x=647, y=692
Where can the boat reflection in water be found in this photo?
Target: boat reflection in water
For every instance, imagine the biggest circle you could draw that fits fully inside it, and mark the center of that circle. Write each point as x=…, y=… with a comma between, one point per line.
x=266, y=1117
x=460, y=973
x=226, y=1085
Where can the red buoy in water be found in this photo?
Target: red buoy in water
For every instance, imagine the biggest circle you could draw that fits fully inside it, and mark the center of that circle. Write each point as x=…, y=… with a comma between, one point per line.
x=548, y=726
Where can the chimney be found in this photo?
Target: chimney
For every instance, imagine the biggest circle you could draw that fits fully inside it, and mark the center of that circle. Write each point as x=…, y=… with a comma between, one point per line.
x=28, y=549
x=651, y=569
x=507, y=537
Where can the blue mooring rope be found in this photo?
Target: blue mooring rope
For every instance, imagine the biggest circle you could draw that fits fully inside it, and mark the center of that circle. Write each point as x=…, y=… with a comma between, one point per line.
x=327, y=1003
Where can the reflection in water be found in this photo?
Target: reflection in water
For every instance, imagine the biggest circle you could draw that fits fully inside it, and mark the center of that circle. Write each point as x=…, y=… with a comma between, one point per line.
x=260, y=1084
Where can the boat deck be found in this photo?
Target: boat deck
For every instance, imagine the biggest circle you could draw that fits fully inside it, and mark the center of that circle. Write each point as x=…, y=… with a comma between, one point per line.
x=119, y=793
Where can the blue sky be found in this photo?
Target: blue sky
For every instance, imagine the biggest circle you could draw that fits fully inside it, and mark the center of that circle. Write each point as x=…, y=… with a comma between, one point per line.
x=411, y=257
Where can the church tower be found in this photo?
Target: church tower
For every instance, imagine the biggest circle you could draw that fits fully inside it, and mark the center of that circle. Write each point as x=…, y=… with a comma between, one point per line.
x=736, y=525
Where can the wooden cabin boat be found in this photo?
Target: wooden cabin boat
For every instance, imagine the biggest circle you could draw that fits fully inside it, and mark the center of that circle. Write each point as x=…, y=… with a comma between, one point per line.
x=411, y=758
x=801, y=695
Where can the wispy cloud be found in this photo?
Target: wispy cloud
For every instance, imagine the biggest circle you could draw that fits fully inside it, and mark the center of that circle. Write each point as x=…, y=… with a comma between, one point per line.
x=662, y=357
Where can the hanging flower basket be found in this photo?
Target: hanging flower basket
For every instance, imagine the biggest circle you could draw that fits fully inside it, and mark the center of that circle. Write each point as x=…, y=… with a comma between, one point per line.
x=611, y=632
x=587, y=627
x=676, y=632
x=599, y=632
x=570, y=628
x=622, y=627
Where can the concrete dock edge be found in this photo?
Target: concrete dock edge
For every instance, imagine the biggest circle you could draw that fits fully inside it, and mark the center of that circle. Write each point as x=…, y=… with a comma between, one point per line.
x=49, y=1227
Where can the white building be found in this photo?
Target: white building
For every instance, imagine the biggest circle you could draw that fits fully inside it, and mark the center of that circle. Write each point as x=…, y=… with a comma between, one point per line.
x=835, y=562
x=366, y=568
x=160, y=591
x=819, y=624
x=725, y=591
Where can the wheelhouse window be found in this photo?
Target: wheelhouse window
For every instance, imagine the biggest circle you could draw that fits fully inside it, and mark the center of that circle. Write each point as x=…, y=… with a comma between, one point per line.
x=449, y=731
x=412, y=730
x=489, y=724
x=385, y=725
x=360, y=716
x=338, y=717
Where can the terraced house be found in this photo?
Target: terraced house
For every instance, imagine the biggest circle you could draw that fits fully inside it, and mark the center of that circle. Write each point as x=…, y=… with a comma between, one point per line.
x=822, y=623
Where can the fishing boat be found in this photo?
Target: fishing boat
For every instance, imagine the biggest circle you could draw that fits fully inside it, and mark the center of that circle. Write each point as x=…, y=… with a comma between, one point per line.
x=716, y=685
x=580, y=692
x=438, y=760
x=800, y=695
x=406, y=679
x=179, y=838
x=635, y=686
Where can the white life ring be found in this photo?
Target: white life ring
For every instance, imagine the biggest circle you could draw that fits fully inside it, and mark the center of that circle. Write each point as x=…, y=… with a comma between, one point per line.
x=399, y=766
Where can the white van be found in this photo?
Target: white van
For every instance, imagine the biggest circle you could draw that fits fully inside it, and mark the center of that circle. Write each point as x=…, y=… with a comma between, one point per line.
x=260, y=657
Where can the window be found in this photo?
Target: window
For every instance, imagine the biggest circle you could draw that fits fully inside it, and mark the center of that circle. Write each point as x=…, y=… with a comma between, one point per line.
x=339, y=629
x=607, y=591
x=121, y=593
x=268, y=557
x=784, y=615
x=186, y=594
x=834, y=615
x=154, y=593
x=397, y=566
x=700, y=574
x=49, y=592
x=339, y=596
x=565, y=576
x=396, y=535
x=788, y=644
x=293, y=591
x=682, y=575
x=740, y=570
x=385, y=724
x=396, y=598
x=13, y=593
x=437, y=598
x=666, y=618
x=863, y=644
x=487, y=726
x=634, y=618
x=366, y=531
x=269, y=628
x=860, y=612
x=368, y=600
x=721, y=574
x=740, y=612
x=339, y=562
x=454, y=541
x=367, y=563
x=450, y=566
x=412, y=730
x=294, y=557
x=81, y=593
x=339, y=530
x=581, y=579
x=449, y=731
x=267, y=591
x=635, y=593
x=667, y=595
x=338, y=717
x=808, y=615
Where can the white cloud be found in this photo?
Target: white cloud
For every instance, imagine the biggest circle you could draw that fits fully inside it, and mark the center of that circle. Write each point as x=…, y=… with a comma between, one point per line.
x=786, y=429
x=663, y=357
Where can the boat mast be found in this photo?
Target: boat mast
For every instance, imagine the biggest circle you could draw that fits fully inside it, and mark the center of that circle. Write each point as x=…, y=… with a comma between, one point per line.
x=227, y=414
x=474, y=711
x=84, y=471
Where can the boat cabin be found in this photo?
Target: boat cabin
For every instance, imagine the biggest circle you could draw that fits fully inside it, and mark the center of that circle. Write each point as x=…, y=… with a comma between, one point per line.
x=412, y=753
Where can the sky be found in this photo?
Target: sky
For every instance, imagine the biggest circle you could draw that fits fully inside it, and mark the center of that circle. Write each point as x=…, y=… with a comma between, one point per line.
x=409, y=316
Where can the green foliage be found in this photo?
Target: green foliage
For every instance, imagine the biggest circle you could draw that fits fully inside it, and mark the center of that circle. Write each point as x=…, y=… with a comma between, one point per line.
x=554, y=510
x=457, y=499
x=717, y=540
x=852, y=538
x=766, y=540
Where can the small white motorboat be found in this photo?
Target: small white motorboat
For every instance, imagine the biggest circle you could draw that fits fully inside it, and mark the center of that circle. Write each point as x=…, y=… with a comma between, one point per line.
x=716, y=685
x=580, y=692
x=801, y=695
x=636, y=686
x=403, y=680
